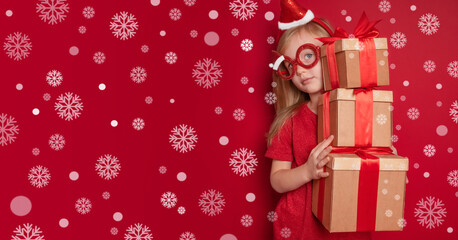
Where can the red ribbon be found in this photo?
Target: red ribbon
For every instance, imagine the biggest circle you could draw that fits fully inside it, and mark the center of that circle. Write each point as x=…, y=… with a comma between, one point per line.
x=363, y=116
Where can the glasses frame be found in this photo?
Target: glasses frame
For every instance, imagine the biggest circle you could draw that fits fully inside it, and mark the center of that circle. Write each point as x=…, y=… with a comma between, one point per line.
x=295, y=62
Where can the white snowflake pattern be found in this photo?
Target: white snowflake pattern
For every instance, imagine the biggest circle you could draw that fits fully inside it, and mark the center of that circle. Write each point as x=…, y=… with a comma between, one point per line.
x=452, y=178
x=82, y=29
x=207, y=73
x=452, y=69
x=181, y=210
x=68, y=107
x=187, y=236
x=246, y=220
x=219, y=110
x=106, y=195
x=51, y=11
x=270, y=40
x=381, y=119
x=83, y=205
x=114, y=231
x=398, y=40
x=239, y=114
x=108, y=166
x=285, y=232
x=17, y=46
x=394, y=138
x=454, y=111
x=138, y=231
x=183, y=138
x=429, y=66
x=124, y=25
x=8, y=129
x=56, y=142
x=244, y=80
x=246, y=45
x=46, y=96
x=35, y=151
x=39, y=176
x=138, y=124
x=402, y=223
x=388, y=213
x=272, y=216
x=384, y=6
x=99, y=57
x=430, y=212
x=171, y=57
x=27, y=232
x=193, y=33
x=429, y=150
x=175, y=14
x=88, y=12
x=413, y=113
x=189, y=2
x=169, y=200
x=270, y=98
x=266, y=1
x=144, y=48
x=243, y=9
x=138, y=74
x=54, y=78
x=235, y=32
x=243, y=162
x=162, y=169
x=212, y=202
x=428, y=24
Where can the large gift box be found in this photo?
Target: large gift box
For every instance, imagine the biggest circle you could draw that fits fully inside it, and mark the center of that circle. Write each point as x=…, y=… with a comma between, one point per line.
x=360, y=197
x=352, y=58
x=356, y=117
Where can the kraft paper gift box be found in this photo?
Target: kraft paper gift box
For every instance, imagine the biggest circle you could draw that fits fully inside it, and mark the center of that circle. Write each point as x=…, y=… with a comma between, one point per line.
x=339, y=205
x=343, y=120
x=347, y=55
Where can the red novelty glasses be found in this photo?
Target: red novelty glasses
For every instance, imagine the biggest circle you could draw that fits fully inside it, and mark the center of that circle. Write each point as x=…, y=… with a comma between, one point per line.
x=307, y=56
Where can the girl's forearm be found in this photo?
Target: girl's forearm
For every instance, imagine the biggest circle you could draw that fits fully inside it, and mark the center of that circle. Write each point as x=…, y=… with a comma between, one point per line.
x=286, y=180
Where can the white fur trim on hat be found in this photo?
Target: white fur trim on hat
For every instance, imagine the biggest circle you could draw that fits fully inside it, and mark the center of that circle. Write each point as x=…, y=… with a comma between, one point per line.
x=307, y=18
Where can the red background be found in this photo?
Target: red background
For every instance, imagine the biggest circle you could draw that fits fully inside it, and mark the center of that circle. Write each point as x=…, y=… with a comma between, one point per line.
x=136, y=192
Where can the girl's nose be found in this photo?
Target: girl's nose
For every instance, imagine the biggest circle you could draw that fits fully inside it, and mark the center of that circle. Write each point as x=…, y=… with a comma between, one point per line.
x=300, y=70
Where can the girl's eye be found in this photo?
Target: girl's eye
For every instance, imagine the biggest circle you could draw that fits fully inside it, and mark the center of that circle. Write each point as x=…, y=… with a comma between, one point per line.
x=308, y=56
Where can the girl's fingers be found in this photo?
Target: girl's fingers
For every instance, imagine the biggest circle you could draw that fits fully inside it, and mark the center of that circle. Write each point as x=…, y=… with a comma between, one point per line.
x=322, y=145
x=323, y=162
x=323, y=174
x=325, y=152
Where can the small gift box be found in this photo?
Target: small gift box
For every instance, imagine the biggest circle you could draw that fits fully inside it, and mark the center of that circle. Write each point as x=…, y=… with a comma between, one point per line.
x=361, y=193
x=356, y=117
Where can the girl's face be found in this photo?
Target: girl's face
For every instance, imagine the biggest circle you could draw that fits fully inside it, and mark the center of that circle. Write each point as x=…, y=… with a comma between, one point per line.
x=306, y=80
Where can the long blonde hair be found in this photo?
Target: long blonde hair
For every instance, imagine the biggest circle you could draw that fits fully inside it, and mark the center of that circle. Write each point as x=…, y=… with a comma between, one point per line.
x=289, y=98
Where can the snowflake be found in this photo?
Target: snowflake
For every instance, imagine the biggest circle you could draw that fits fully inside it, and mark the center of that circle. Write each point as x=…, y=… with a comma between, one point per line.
x=243, y=162
x=218, y=110
x=429, y=66
x=162, y=169
x=381, y=119
x=452, y=69
x=413, y=113
x=144, y=48
x=428, y=24
x=39, y=176
x=88, y=12
x=183, y=139
x=212, y=202
x=68, y=106
x=83, y=205
x=384, y=6
x=189, y=2
x=106, y=195
x=175, y=14
x=454, y=111
x=54, y=78
x=244, y=80
x=270, y=98
x=270, y=40
x=138, y=124
x=17, y=47
x=181, y=210
x=99, y=57
x=394, y=138
x=272, y=216
x=114, y=231
x=243, y=9
x=235, y=32
x=402, y=223
x=171, y=57
x=124, y=25
x=82, y=29
x=388, y=213
x=35, y=151
x=169, y=200
x=56, y=142
x=398, y=40
x=138, y=232
x=285, y=232
x=193, y=33
x=246, y=220
x=46, y=96
x=149, y=100
x=246, y=45
x=52, y=10
x=108, y=167
x=239, y=114
x=429, y=150
x=452, y=178
x=187, y=236
x=8, y=129
x=266, y=1
x=207, y=73
x=430, y=212
x=28, y=232
x=138, y=74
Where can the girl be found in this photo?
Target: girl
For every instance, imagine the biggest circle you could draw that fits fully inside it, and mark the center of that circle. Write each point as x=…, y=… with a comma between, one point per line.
x=297, y=159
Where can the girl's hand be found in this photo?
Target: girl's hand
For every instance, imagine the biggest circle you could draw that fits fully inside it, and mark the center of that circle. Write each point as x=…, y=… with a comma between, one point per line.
x=318, y=158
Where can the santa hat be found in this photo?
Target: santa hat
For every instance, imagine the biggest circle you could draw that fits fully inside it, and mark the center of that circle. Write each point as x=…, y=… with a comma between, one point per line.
x=293, y=15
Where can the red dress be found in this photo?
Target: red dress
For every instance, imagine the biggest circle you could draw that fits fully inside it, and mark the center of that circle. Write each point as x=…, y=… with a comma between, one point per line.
x=295, y=218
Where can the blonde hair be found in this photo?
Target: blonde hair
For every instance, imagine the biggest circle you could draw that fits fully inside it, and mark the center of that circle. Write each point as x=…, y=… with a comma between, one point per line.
x=289, y=98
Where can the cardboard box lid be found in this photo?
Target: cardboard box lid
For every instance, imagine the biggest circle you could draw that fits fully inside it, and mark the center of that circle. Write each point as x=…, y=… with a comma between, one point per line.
x=346, y=44
x=347, y=94
x=350, y=161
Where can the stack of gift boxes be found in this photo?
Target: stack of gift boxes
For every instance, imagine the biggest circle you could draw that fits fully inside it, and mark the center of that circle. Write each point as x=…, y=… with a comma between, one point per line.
x=366, y=186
